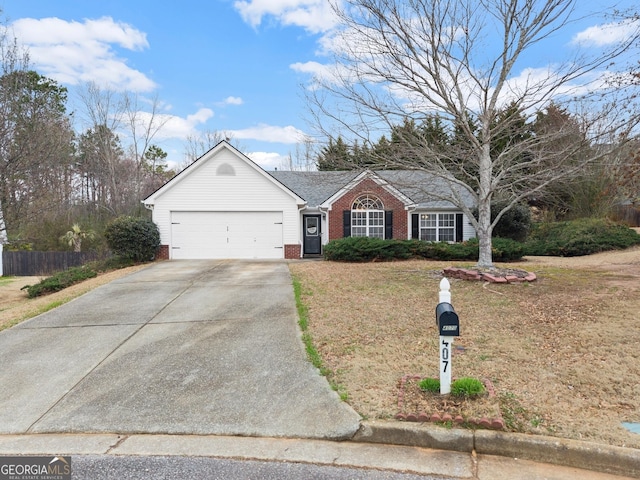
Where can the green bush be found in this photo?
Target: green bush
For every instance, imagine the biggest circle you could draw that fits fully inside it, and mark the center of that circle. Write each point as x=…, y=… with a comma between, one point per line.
x=515, y=224
x=431, y=385
x=132, y=238
x=579, y=237
x=506, y=250
x=60, y=281
x=366, y=249
x=467, y=387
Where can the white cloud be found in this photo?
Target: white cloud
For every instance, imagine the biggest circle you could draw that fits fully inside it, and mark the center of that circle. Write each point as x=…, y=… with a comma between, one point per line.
x=233, y=101
x=173, y=126
x=607, y=34
x=74, y=52
x=314, y=68
x=312, y=15
x=268, y=160
x=269, y=133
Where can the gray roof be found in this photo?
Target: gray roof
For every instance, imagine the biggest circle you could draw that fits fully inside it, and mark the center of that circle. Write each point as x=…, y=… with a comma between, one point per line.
x=314, y=187
x=423, y=189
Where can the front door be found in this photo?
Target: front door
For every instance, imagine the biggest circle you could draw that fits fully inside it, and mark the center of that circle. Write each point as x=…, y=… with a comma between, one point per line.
x=312, y=235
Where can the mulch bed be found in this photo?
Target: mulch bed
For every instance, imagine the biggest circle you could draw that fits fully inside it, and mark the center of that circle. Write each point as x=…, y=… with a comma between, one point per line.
x=490, y=275
x=416, y=405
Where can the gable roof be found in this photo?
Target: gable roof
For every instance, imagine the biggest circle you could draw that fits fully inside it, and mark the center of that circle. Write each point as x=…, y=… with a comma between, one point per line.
x=150, y=200
x=419, y=188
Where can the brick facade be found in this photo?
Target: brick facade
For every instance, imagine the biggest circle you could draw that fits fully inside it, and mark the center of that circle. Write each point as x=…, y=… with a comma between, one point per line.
x=292, y=252
x=390, y=202
x=163, y=252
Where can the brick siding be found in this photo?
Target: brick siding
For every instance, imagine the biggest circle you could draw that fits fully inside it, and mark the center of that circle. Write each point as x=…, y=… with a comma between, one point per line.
x=390, y=202
x=163, y=252
x=292, y=251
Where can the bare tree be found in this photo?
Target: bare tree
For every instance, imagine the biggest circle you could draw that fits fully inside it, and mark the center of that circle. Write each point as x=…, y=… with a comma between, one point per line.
x=303, y=158
x=462, y=61
x=12, y=59
x=197, y=145
x=104, y=113
x=143, y=126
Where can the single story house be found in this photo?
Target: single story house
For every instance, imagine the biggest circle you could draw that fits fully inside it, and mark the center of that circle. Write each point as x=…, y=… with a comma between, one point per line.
x=226, y=206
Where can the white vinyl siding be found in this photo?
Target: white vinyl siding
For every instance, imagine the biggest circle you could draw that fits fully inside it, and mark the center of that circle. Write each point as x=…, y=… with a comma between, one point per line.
x=226, y=183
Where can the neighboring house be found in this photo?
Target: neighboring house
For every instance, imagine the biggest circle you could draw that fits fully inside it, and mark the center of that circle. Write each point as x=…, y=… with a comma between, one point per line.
x=226, y=206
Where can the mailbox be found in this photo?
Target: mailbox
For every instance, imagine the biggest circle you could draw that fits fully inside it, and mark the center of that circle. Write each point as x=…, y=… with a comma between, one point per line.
x=447, y=320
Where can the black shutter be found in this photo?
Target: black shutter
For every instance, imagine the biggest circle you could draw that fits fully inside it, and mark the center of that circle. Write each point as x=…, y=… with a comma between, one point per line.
x=459, y=227
x=346, y=223
x=415, y=226
x=388, y=224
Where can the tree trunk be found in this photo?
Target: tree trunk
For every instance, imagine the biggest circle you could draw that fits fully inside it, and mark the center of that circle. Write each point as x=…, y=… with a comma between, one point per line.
x=485, y=257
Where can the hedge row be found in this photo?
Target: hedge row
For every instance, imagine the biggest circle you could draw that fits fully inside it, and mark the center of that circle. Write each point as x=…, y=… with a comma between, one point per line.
x=577, y=237
x=366, y=249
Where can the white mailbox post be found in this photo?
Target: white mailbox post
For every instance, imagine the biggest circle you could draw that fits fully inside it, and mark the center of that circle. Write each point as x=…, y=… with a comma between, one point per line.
x=449, y=327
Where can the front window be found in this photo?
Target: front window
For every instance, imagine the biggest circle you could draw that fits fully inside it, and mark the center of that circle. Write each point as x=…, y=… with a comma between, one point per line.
x=438, y=227
x=367, y=217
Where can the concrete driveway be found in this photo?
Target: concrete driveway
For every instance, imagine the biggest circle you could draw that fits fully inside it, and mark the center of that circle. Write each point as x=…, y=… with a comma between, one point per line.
x=180, y=347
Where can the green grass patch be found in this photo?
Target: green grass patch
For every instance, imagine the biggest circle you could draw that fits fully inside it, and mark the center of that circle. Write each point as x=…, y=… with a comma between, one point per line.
x=312, y=352
x=467, y=387
x=431, y=385
x=35, y=313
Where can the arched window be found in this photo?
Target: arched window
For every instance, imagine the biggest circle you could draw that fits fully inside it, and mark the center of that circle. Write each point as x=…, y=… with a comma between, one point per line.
x=367, y=217
x=225, y=169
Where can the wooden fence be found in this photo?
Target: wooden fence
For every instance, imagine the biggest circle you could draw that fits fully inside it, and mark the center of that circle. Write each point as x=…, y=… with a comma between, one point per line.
x=628, y=214
x=25, y=263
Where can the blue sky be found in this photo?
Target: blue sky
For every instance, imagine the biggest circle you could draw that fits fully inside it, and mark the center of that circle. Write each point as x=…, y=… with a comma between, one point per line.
x=232, y=66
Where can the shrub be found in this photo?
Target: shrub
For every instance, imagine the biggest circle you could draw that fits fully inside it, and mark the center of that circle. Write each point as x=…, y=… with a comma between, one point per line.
x=515, y=224
x=132, y=238
x=467, y=387
x=60, y=281
x=579, y=237
x=365, y=249
x=431, y=385
x=506, y=250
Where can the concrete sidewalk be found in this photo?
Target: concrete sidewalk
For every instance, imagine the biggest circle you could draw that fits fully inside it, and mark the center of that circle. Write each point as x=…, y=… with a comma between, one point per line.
x=190, y=347
x=441, y=463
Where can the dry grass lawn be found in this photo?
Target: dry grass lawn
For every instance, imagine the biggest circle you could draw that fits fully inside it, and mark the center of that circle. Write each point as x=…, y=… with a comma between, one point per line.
x=563, y=353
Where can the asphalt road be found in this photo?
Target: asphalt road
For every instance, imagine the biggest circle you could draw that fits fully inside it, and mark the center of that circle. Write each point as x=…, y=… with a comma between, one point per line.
x=172, y=468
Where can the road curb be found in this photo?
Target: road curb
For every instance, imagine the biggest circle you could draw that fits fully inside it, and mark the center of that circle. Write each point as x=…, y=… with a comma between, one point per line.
x=557, y=451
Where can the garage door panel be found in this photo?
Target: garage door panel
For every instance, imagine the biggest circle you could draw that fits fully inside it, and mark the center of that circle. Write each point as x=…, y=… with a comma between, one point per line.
x=203, y=235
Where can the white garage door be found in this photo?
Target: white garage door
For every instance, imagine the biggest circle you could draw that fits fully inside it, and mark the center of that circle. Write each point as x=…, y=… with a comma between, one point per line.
x=226, y=235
